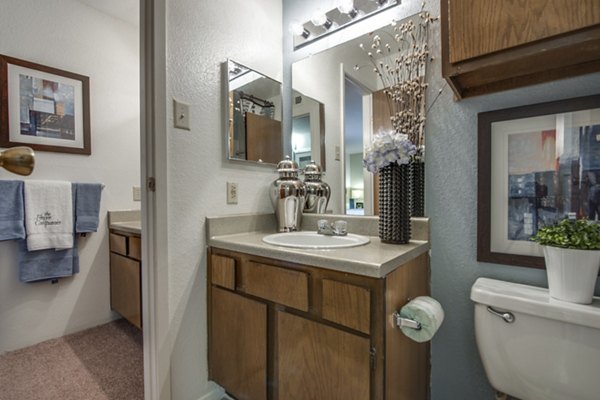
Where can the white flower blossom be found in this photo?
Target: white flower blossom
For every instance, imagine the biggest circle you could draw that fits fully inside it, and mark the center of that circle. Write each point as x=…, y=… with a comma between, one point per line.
x=388, y=147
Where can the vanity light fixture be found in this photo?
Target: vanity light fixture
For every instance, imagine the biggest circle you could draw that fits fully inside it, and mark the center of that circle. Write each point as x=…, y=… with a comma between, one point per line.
x=347, y=12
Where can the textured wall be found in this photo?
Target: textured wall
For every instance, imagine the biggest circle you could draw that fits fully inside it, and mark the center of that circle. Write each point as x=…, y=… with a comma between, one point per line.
x=200, y=36
x=451, y=196
x=68, y=35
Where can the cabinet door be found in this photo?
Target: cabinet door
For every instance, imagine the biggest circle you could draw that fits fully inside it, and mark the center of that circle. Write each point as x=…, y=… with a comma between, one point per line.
x=125, y=288
x=315, y=361
x=238, y=345
x=487, y=26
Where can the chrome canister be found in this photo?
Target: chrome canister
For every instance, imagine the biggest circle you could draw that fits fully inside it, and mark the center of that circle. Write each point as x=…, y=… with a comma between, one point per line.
x=287, y=196
x=317, y=191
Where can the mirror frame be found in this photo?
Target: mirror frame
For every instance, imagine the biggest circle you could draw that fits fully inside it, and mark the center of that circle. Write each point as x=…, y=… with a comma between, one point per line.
x=227, y=120
x=286, y=144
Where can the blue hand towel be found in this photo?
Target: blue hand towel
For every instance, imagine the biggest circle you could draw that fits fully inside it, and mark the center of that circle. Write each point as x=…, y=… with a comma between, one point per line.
x=87, y=206
x=12, y=210
x=46, y=264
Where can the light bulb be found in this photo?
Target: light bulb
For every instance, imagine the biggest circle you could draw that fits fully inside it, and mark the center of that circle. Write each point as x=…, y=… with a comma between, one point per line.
x=297, y=29
x=347, y=7
x=320, y=19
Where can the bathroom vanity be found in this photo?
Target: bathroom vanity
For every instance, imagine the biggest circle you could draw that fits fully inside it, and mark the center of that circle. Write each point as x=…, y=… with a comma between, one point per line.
x=125, y=265
x=306, y=324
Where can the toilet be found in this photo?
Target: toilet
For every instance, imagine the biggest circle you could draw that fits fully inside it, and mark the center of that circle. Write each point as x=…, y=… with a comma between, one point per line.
x=534, y=347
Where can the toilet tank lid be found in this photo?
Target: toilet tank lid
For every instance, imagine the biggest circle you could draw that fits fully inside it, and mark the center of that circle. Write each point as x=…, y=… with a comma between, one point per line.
x=535, y=301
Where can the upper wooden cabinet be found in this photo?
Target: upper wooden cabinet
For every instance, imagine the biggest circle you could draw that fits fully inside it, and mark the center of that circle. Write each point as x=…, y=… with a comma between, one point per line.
x=494, y=45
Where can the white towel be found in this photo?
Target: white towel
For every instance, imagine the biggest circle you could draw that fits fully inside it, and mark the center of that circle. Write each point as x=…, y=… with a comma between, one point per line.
x=48, y=215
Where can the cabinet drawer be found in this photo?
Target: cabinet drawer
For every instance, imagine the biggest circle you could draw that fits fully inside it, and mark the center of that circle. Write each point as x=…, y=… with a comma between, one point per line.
x=279, y=285
x=125, y=289
x=118, y=244
x=135, y=247
x=347, y=305
x=222, y=271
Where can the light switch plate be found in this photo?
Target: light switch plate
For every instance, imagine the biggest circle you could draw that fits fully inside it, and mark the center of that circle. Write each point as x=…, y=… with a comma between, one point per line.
x=137, y=193
x=182, y=115
x=232, y=193
x=337, y=153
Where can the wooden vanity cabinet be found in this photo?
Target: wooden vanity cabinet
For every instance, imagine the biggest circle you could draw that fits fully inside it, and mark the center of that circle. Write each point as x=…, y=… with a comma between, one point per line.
x=494, y=45
x=283, y=331
x=125, y=275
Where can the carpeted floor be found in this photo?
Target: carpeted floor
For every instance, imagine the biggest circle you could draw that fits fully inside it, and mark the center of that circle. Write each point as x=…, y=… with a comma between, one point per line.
x=102, y=363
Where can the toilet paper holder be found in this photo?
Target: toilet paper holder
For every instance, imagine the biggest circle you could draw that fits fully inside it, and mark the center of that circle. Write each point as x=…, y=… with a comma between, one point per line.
x=402, y=322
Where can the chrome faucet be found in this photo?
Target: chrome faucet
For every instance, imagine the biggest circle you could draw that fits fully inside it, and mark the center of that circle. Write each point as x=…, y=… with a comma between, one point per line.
x=337, y=228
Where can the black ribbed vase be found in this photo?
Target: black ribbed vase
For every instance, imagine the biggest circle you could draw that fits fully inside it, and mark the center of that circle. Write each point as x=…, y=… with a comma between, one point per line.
x=417, y=176
x=394, y=203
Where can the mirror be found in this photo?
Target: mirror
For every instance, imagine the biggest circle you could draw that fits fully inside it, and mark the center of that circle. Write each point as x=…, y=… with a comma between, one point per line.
x=308, y=130
x=343, y=78
x=254, y=116
x=253, y=128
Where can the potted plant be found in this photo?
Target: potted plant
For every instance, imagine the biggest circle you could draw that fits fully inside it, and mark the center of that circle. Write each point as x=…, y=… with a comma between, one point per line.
x=572, y=255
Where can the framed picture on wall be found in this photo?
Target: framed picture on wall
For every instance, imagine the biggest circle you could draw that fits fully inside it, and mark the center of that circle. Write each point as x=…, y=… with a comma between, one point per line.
x=536, y=164
x=44, y=108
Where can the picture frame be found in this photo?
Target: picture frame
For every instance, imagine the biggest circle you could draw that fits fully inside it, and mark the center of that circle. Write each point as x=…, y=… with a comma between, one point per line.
x=44, y=108
x=536, y=164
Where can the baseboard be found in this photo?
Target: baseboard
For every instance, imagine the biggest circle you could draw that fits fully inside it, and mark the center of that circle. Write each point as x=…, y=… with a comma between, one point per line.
x=216, y=393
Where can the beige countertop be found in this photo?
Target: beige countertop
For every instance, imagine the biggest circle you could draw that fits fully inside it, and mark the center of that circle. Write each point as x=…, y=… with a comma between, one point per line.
x=129, y=226
x=375, y=259
x=125, y=221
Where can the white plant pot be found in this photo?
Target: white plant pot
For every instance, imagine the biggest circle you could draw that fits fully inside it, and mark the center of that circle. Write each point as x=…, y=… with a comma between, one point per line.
x=572, y=273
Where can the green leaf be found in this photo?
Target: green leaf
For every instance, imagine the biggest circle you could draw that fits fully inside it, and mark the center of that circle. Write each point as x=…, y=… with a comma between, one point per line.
x=579, y=234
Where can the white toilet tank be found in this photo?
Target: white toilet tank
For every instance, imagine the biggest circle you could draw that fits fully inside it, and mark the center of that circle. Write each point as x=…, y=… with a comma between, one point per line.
x=551, y=351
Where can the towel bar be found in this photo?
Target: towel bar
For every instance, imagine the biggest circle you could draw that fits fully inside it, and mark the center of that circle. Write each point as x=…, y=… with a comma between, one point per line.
x=401, y=322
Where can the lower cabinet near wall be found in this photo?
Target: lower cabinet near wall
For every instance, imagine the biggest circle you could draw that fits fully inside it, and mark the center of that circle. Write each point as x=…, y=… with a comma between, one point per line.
x=283, y=331
x=125, y=276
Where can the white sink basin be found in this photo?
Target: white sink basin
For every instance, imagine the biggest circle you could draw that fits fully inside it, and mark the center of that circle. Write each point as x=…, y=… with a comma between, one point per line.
x=312, y=240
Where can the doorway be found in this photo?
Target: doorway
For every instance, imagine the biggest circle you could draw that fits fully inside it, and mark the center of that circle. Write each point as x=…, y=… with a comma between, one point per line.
x=357, y=116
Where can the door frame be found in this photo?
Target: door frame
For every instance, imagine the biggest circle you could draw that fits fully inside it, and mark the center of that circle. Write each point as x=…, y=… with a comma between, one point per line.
x=367, y=129
x=153, y=128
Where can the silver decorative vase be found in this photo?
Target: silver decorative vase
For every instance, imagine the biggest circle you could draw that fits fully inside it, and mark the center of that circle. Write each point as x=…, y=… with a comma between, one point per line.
x=287, y=196
x=317, y=191
x=394, y=203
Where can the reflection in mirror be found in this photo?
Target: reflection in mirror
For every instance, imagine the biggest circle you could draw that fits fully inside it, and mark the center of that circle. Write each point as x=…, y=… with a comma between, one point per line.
x=308, y=130
x=343, y=78
x=254, y=113
x=254, y=120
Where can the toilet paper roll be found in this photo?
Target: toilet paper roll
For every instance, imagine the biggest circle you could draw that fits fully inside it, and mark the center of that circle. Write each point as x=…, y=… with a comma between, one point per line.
x=428, y=312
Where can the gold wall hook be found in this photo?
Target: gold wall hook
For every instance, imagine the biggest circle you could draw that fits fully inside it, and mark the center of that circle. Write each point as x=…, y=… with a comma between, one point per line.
x=19, y=160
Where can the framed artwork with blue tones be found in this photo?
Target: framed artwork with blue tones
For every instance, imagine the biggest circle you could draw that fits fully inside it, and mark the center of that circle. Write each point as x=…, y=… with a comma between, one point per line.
x=536, y=164
x=44, y=108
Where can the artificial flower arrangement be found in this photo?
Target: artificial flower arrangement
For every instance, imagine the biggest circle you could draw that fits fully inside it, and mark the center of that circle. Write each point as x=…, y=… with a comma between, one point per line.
x=399, y=59
x=386, y=148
